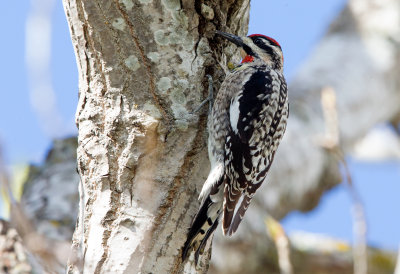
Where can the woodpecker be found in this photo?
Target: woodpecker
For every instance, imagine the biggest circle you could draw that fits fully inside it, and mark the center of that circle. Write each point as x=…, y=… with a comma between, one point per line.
x=245, y=127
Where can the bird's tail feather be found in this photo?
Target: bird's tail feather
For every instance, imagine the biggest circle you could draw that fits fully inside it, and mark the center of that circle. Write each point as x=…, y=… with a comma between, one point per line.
x=239, y=214
x=231, y=199
x=203, y=226
x=206, y=220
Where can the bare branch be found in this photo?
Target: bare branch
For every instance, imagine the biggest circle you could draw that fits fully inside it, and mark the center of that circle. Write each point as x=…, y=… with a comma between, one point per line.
x=332, y=143
x=277, y=233
x=397, y=269
x=51, y=254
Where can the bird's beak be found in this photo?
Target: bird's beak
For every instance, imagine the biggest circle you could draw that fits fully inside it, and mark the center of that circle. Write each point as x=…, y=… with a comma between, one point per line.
x=230, y=37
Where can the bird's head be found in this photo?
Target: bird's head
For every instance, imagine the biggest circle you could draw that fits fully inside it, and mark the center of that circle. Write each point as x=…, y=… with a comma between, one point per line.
x=257, y=46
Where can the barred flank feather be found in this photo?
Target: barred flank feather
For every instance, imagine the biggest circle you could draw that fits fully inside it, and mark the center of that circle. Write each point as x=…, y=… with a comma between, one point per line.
x=246, y=125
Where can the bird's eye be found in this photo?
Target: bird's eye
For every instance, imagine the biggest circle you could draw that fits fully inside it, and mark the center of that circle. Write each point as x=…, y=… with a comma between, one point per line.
x=258, y=41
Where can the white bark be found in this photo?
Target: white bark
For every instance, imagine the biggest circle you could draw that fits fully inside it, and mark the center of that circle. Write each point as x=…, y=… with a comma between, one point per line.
x=141, y=154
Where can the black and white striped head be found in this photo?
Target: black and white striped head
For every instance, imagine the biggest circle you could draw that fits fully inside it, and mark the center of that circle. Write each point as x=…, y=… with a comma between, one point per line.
x=258, y=46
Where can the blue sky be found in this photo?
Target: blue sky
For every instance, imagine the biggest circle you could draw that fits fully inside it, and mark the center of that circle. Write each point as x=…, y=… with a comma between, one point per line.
x=21, y=128
x=297, y=25
x=378, y=185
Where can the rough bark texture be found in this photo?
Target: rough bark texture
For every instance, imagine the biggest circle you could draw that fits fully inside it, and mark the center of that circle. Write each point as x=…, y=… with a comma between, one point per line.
x=141, y=154
x=14, y=258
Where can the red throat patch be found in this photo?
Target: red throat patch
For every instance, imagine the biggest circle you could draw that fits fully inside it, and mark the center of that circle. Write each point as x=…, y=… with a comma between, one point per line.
x=248, y=59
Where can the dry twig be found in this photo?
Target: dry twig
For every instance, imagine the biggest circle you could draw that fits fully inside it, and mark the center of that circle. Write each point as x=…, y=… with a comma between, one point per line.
x=332, y=143
x=277, y=233
x=397, y=269
x=51, y=254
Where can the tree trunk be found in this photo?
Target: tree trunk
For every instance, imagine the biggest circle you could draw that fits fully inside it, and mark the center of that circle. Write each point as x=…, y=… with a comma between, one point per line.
x=142, y=154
